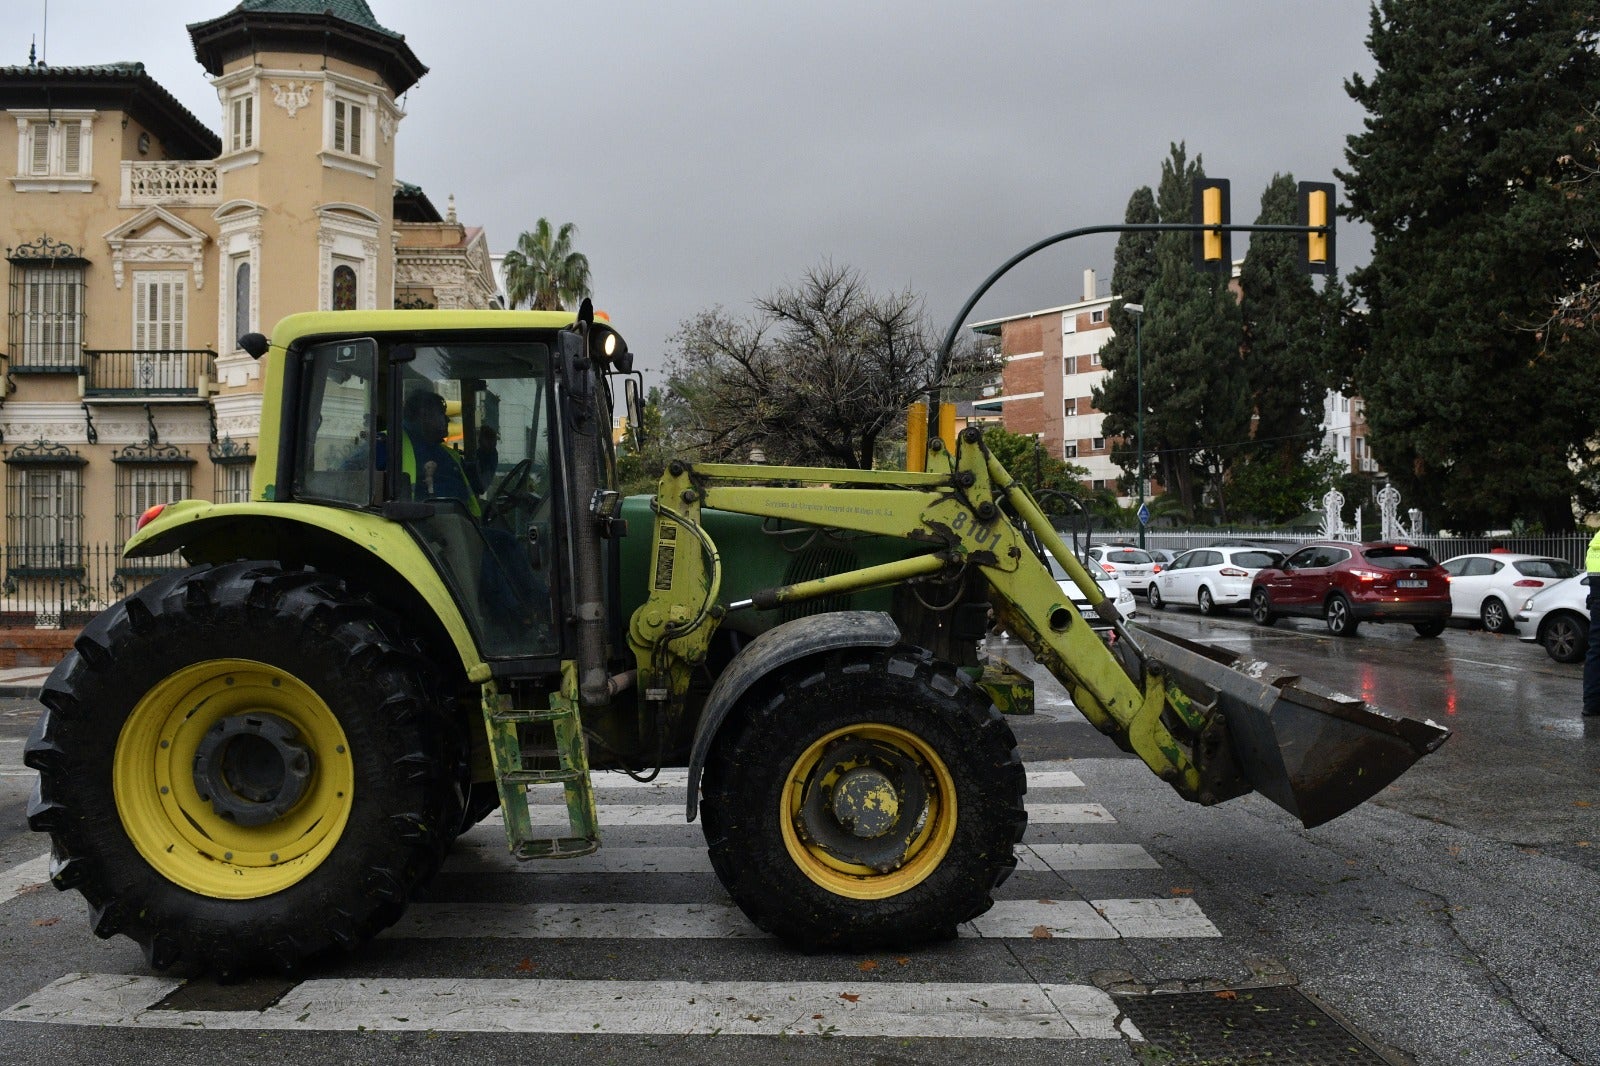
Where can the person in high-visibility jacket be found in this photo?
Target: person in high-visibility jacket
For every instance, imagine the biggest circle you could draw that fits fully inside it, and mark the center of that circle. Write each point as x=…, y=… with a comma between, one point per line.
x=1591, y=661
x=511, y=592
x=435, y=470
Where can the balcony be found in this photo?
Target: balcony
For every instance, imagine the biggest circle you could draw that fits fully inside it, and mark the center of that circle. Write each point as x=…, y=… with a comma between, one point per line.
x=110, y=375
x=170, y=183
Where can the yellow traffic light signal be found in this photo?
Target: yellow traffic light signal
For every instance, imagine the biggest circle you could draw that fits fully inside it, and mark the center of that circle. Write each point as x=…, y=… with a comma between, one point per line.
x=1213, y=248
x=1316, y=211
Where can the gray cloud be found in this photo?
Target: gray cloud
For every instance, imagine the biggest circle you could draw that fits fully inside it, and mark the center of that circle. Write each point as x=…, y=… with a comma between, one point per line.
x=710, y=151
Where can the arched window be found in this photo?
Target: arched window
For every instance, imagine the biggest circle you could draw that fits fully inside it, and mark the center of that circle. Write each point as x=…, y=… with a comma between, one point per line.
x=344, y=288
x=241, y=298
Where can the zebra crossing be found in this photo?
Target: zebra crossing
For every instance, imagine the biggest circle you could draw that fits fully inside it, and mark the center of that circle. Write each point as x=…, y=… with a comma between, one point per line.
x=654, y=890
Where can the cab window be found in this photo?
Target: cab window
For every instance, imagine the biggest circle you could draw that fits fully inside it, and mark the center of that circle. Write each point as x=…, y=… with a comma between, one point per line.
x=337, y=438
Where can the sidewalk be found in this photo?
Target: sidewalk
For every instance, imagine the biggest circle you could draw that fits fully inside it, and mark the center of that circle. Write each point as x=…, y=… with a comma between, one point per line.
x=22, y=682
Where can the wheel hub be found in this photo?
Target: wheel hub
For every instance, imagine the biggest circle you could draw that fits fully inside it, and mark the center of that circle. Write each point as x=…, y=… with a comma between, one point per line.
x=252, y=768
x=865, y=804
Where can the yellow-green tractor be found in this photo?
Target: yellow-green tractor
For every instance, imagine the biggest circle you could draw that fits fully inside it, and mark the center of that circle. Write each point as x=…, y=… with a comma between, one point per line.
x=435, y=599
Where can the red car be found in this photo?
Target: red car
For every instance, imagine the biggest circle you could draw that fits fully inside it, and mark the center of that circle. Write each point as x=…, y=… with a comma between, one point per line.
x=1345, y=584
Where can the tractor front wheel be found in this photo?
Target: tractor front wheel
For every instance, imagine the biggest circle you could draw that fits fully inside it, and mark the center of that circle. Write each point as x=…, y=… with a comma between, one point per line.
x=243, y=767
x=867, y=799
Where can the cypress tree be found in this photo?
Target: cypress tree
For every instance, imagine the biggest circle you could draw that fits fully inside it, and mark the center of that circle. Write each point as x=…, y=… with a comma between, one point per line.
x=1480, y=410
x=1196, y=396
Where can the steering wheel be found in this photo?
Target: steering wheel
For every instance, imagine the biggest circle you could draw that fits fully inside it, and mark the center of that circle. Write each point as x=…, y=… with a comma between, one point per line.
x=512, y=490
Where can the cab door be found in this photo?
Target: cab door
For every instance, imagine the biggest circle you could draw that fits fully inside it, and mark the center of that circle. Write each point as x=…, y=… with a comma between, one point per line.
x=490, y=524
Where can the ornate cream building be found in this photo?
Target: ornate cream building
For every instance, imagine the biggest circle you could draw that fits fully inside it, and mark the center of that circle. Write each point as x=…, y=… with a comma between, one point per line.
x=140, y=245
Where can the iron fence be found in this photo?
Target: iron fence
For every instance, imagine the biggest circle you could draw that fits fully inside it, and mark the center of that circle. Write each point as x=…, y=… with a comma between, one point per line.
x=65, y=585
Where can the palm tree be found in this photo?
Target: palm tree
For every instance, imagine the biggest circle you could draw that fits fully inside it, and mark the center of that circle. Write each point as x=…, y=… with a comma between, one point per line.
x=544, y=271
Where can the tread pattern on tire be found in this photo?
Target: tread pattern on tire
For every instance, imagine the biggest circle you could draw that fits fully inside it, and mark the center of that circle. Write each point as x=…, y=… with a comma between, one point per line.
x=407, y=801
x=748, y=765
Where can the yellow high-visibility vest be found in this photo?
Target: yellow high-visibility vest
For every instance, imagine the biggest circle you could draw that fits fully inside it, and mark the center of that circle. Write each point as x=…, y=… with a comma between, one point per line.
x=1591, y=561
x=408, y=466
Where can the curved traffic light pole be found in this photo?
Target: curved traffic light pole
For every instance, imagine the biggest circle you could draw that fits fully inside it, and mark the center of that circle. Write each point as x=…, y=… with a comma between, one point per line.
x=943, y=365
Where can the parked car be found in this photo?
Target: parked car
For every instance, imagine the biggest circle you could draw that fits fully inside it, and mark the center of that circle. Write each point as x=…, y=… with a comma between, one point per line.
x=1162, y=556
x=1346, y=583
x=1490, y=587
x=1132, y=567
x=1108, y=583
x=1557, y=616
x=1211, y=578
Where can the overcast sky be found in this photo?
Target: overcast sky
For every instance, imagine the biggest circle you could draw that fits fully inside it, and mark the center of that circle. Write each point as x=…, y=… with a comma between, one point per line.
x=710, y=152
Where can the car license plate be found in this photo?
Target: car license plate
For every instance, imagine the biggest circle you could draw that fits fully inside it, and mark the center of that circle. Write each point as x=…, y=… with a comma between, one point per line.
x=1411, y=583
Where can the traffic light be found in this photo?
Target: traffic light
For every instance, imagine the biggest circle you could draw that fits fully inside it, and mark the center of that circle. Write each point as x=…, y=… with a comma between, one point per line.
x=1213, y=249
x=1316, y=210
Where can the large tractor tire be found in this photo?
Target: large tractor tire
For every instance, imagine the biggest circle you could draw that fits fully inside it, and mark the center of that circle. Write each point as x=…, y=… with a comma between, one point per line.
x=243, y=767
x=867, y=799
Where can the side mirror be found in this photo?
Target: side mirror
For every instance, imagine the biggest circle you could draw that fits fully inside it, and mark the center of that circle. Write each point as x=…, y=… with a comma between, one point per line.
x=634, y=404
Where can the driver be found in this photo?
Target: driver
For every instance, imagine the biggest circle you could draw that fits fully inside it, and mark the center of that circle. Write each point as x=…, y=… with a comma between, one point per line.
x=512, y=593
x=435, y=470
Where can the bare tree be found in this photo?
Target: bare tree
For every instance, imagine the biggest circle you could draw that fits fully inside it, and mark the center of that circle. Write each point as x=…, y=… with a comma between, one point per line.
x=820, y=374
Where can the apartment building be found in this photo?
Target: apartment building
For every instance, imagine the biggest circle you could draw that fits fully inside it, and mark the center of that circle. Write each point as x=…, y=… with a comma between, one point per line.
x=140, y=245
x=1052, y=364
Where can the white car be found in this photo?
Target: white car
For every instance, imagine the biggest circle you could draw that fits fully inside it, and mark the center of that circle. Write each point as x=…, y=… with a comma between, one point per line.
x=1132, y=567
x=1558, y=618
x=1113, y=589
x=1211, y=579
x=1492, y=586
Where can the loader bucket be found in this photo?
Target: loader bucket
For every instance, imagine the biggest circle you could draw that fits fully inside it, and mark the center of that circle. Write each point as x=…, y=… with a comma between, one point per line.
x=1314, y=752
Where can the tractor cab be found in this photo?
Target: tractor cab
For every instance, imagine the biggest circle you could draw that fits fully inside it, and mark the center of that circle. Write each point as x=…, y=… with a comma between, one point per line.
x=466, y=439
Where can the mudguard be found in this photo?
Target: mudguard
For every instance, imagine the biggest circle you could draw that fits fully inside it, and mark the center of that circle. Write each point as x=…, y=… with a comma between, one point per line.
x=777, y=647
x=216, y=533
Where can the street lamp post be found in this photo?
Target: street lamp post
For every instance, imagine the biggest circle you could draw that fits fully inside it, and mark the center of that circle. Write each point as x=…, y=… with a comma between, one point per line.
x=1137, y=311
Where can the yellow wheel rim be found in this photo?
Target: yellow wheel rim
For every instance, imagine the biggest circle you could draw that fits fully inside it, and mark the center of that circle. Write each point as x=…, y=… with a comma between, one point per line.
x=892, y=778
x=178, y=832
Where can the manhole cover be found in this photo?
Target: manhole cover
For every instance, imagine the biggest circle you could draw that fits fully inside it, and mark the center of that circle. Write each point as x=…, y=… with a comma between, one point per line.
x=1245, y=1027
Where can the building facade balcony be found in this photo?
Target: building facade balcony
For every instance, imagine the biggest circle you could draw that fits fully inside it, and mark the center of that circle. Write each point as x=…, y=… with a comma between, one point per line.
x=170, y=183
x=131, y=375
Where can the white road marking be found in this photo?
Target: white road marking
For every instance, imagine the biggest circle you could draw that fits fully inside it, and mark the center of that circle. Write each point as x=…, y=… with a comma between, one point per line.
x=875, y=1009
x=1157, y=918
x=1048, y=773
x=488, y=853
x=1084, y=857
x=656, y=1008
x=23, y=877
x=672, y=814
x=485, y=852
x=1053, y=779
x=1480, y=662
x=1008, y=919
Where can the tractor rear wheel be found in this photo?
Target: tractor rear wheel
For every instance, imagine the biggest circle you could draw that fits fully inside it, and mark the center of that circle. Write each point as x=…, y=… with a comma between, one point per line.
x=868, y=799
x=243, y=767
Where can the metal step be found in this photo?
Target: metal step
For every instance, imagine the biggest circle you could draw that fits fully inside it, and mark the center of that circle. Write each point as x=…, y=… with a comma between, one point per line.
x=513, y=775
x=555, y=848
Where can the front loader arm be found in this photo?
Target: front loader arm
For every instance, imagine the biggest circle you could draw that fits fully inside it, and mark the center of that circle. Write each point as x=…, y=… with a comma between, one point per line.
x=1209, y=725
x=952, y=511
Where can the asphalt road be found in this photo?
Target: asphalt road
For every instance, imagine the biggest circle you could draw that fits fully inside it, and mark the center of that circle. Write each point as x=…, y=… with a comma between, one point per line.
x=1450, y=920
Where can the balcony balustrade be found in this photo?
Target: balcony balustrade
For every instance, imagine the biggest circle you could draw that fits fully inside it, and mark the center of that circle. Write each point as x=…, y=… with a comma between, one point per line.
x=169, y=183
x=112, y=374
